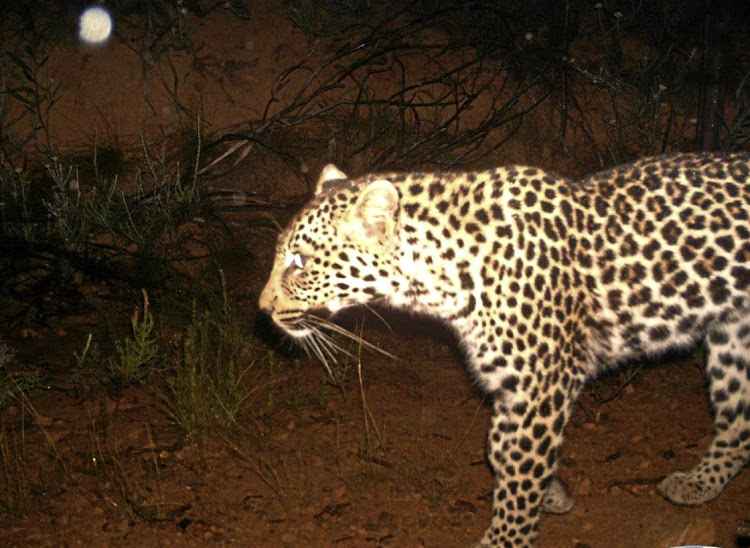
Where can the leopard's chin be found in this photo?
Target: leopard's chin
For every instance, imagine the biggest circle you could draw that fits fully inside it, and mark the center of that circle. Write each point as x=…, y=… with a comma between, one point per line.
x=296, y=332
x=292, y=326
x=301, y=325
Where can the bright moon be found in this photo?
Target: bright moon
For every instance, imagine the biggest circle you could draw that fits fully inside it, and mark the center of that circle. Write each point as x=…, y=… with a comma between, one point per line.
x=95, y=25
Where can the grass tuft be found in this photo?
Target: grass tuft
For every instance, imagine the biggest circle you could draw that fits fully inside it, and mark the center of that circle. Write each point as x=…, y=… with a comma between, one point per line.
x=138, y=354
x=209, y=365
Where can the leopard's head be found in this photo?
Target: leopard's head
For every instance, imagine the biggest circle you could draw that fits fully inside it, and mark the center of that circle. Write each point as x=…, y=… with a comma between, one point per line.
x=336, y=252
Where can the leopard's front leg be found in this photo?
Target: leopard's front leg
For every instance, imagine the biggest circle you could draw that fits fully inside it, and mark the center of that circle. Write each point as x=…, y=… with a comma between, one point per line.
x=525, y=437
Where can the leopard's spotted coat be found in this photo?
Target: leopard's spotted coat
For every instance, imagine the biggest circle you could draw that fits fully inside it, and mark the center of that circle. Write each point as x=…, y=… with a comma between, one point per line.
x=547, y=282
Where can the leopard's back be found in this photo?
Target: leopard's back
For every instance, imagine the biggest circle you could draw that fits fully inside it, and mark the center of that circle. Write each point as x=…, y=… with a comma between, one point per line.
x=671, y=250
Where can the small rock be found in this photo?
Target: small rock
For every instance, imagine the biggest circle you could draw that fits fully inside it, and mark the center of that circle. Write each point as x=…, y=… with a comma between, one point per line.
x=289, y=539
x=583, y=488
x=428, y=417
x=123, y=525
x=44, y=421
x=642, y=489
x=63, y=521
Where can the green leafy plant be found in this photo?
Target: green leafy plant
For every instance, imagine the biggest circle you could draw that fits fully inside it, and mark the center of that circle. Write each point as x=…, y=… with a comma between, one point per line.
x=138, y=354
x=62, y=230
x=209, y=364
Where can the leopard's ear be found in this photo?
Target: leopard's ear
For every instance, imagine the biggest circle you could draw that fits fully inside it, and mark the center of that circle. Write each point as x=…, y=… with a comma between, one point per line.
x=374, y=216
x=329, y=173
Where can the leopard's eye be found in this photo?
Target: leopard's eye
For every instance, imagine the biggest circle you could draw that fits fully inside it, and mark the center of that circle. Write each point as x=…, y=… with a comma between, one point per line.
x=295, y=259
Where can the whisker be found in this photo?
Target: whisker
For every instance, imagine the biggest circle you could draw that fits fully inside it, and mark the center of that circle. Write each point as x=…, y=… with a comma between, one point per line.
x=327, y=345
x=378, y=316
x=311, y=346
x=334, y=346
x=324, y=345
x=348, y=334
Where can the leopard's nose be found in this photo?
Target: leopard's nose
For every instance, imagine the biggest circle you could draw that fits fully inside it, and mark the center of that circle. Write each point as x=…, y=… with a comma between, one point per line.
x=266, y=301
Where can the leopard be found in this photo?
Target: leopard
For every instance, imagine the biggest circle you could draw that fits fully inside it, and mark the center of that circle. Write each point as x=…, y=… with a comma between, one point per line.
x=547, y=282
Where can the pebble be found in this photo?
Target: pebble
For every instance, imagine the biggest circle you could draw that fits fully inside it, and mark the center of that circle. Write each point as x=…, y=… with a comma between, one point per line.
x=63, y=521
x=428, y=417
x=583, y=489
x=44, y=421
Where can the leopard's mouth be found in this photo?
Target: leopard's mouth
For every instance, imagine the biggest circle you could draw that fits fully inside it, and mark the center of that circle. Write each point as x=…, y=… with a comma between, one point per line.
x=294, y=331
x=294, y=326
x=300, y=324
